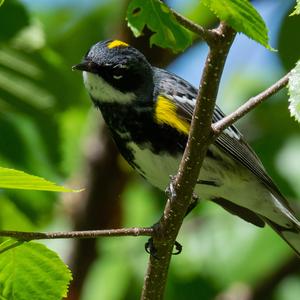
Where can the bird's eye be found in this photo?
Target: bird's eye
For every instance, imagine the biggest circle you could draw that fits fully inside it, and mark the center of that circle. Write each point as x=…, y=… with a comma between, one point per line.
x=117, y=76
x=118, y=71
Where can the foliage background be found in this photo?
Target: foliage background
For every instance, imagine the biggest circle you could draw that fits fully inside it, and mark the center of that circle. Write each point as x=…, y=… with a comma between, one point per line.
x=49, y=128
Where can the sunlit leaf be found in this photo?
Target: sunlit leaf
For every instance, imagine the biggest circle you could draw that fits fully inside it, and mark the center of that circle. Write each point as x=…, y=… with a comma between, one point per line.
x=154, y=14
x=14, y=179
x=294, y=91
x=297, y=9
x=30, y=38
x=241, y=16
x=1, y=2
x=29, y=270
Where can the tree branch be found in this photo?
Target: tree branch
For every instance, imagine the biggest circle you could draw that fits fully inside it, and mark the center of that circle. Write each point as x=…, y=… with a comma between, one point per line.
x=202, y=134
x=219, y=126
x=207, y=35
x=182, y=186
x=86, y=234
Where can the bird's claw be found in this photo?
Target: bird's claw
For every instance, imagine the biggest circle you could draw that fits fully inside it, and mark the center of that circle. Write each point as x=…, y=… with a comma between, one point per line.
x=178, y=248
x=170, y=190
x=150, y=248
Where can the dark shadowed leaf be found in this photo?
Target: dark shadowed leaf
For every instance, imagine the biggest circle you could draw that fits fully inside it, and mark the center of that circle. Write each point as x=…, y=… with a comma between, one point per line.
x=13, y=17
x=288, y=46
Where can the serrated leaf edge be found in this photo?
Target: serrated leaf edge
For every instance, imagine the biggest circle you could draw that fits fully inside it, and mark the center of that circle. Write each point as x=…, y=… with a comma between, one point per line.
x=294, y=92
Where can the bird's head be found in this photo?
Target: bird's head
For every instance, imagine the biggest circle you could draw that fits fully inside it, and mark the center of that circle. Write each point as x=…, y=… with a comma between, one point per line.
x=113, y=71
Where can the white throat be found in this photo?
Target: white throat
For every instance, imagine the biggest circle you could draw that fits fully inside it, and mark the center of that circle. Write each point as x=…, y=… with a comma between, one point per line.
x=102, y=91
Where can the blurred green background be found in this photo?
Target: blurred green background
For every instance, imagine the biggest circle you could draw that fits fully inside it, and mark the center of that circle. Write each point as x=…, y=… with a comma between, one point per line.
x=49, y=128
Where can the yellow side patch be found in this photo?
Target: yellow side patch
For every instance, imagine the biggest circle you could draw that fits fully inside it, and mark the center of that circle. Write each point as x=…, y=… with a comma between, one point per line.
x=165, y=113
x=117, y=43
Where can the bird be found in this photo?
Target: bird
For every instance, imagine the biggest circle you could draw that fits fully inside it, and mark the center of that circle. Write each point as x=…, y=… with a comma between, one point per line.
x=149, y=111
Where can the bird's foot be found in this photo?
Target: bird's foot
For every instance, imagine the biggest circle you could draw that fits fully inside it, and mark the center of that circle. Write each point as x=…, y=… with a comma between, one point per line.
x=170, y=190
x=150, y=248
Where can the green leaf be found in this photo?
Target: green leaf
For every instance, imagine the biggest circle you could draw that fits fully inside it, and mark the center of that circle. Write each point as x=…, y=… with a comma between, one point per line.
x=297, y=9
x=1, y=2
x=29, y=270
x=14, y=179
x=154, y=14
x=242, y=17
x=294, y=92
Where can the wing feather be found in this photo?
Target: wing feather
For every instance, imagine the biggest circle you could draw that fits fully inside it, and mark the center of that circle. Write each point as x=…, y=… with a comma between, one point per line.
x=230, y=141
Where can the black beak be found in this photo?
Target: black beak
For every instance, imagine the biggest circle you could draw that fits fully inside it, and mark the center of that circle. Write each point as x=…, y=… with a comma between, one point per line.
x=85, y=65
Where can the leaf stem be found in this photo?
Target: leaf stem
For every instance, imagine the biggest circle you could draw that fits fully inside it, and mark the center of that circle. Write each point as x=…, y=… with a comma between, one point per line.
x=207, y=35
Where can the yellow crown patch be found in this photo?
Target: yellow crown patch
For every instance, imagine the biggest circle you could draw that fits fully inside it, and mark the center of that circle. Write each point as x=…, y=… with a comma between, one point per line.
x=117, y=43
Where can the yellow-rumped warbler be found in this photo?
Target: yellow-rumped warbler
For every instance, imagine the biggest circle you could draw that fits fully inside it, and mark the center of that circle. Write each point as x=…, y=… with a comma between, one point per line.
x=149, y=111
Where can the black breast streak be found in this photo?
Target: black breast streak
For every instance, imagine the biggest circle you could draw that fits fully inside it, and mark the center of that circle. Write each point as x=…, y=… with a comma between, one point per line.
x=135, y=123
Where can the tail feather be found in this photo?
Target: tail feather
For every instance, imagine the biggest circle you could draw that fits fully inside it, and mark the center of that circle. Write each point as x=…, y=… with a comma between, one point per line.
x=291, y=235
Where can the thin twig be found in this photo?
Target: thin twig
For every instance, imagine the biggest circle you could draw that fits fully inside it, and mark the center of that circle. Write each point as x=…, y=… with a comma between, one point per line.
x=219, y=126
x=182, y=187
x=86, y=234
x=206, y=34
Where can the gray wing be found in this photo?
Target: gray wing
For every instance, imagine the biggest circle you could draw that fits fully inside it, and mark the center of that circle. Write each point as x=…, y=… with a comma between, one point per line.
x=230, y=141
